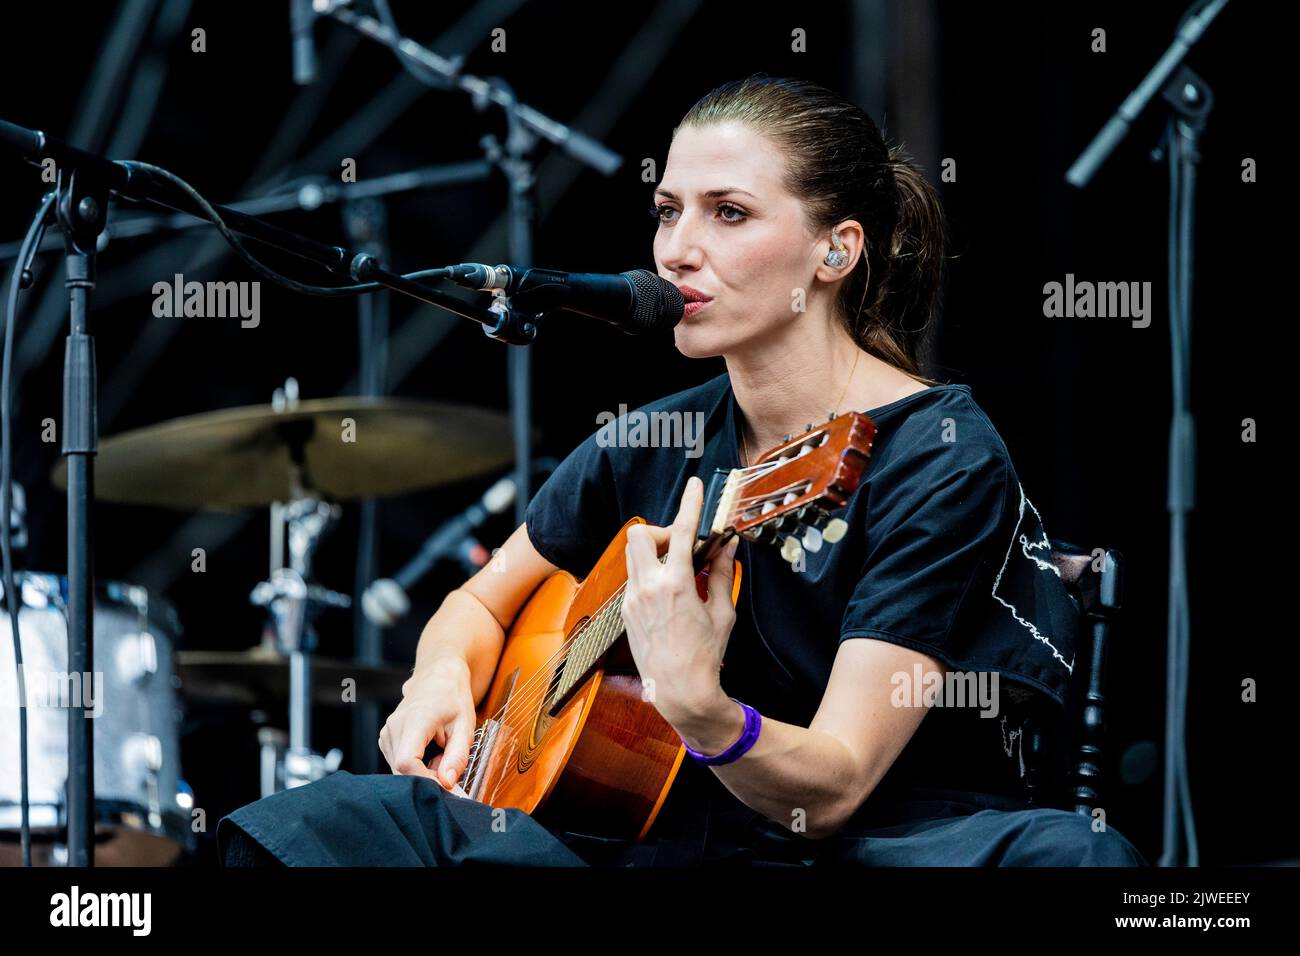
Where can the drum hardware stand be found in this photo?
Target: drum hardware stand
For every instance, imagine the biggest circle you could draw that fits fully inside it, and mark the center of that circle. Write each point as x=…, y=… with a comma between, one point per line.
x=282, y=400
x=281, y=770
x=293, y=603
x=272, y=743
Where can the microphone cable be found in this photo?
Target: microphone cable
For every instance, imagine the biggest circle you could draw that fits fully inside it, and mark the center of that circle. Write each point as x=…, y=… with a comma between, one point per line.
x=13, y=600
x=255, y=264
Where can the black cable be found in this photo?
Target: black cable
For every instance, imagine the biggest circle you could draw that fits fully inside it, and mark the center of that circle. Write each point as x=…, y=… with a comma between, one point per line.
x=13, y=599
x=266, y=271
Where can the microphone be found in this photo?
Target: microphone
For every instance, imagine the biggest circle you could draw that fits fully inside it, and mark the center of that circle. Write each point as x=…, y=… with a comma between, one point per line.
x=301, y=20
x=386, y=602
x=637, y=301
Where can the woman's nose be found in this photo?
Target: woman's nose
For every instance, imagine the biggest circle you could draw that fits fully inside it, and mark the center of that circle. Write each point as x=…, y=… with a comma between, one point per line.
x=680, y=245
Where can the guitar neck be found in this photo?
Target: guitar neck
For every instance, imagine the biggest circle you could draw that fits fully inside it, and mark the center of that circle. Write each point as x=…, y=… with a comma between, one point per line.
x=598, y=634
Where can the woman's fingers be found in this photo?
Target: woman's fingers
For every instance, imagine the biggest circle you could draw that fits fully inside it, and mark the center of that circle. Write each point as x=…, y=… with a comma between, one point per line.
x=456, y=753
x=641, y=554
x=658, y=536
x=413, y=765
x=410, y=736
x=682, y=535
x=439, y=712
x=644, y=540
x=722, y=575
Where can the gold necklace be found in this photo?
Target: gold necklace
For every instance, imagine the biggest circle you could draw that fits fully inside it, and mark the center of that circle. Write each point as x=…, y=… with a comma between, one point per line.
x=745, y=445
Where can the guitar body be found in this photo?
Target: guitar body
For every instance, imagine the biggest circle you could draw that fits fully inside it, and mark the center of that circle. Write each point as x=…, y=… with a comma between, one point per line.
x=603, y=762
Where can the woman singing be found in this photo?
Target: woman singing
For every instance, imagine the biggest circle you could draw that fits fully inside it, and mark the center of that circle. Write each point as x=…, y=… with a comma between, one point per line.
x=811, y=255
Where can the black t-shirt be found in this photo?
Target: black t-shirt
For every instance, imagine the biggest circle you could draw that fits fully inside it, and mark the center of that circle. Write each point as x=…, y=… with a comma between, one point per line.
x=944, y=554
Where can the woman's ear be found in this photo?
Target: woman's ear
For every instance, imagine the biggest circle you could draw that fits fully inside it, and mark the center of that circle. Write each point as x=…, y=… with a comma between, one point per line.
x=851, y=245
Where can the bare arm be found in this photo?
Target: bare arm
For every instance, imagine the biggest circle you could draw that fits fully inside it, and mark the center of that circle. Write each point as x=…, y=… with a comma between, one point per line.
x=470, y=625
x=455, y=660
x=812, y=779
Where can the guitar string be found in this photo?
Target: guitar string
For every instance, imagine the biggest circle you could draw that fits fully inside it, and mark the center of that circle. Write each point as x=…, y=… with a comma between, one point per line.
x=592, y=619
x=533, y=692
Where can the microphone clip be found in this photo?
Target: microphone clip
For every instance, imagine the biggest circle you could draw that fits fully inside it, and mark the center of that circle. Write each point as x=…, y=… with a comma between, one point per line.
x=514, y=326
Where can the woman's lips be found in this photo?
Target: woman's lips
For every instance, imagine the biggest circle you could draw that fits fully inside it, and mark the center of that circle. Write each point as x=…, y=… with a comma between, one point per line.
x=693, y=308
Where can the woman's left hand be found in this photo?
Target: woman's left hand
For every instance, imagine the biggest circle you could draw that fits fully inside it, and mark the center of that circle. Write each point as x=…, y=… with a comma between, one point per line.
x=677, y=640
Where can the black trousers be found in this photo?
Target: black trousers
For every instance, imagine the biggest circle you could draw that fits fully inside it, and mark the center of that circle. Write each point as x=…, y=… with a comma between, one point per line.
x=400, y=820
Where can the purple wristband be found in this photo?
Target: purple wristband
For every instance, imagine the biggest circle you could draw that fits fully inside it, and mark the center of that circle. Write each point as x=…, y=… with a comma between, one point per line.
x=748, y=736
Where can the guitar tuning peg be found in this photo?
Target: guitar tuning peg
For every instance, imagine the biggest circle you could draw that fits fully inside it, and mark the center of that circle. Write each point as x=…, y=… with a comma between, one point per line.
x=808, y=427
x=786, y=439
x=812, y=540
x=835, y=530
x=791, y=549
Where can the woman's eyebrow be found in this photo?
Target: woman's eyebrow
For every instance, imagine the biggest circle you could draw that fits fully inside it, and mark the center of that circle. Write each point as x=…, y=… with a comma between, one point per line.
x=711, y=194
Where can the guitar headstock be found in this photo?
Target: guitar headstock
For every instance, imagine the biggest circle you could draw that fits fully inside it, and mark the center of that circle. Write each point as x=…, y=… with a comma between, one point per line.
x=786, y=496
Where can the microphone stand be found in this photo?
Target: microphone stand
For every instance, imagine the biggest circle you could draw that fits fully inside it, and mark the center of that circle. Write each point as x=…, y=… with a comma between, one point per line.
x=366, y=224
x=525, y=126
x=82, y=210
x=518, y=168
x=1189, y=101
x=85, y=181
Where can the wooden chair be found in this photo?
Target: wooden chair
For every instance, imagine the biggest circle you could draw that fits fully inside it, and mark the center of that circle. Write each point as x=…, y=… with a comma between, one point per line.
x=1064, y=762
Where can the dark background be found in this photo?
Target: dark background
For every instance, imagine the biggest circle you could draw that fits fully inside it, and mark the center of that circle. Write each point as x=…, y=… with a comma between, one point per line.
x=1011, y=92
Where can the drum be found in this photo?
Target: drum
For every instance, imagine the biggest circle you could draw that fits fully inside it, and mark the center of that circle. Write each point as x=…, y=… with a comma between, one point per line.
x=142, y=808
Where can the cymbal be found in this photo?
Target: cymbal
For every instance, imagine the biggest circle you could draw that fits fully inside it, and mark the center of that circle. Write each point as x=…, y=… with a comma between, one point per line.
x=261, y=676
x=243, y=457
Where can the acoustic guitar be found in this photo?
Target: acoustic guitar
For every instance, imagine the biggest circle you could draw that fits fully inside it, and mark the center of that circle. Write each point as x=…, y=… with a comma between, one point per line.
x=566, y=730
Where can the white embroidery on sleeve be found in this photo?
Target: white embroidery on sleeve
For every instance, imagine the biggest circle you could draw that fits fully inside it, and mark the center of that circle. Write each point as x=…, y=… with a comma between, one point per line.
x=1027, y=549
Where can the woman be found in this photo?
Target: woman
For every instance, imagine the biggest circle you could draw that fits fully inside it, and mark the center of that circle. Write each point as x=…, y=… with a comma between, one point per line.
x=816, y=254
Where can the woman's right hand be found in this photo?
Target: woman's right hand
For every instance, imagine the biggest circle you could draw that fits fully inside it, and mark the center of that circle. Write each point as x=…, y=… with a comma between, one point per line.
x=436, y=706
